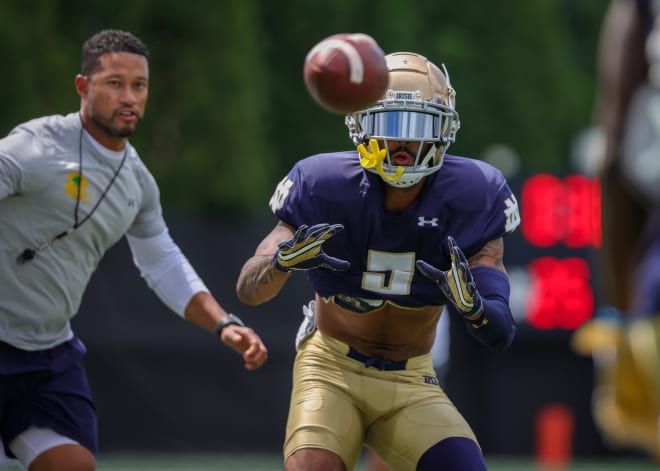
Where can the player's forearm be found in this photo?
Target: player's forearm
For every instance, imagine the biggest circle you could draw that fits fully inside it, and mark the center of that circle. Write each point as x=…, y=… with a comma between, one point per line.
x=495, y=327
x=259, y=280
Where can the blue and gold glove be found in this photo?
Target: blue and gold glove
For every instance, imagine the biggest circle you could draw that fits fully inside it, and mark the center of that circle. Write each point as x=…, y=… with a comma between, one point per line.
x=304, y=251
x=457, y=283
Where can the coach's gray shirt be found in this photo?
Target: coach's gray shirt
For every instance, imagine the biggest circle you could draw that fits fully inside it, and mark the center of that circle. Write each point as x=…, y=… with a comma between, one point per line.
x=39, y=183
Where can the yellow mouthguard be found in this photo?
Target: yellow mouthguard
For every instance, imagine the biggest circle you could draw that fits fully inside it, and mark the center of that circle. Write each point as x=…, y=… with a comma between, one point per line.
x=374, y=159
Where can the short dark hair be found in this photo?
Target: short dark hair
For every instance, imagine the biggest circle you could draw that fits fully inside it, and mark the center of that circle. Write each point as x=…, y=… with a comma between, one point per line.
x=109, y=40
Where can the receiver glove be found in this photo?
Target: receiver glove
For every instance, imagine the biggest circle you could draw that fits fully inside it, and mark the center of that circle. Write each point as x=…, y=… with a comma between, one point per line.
x=304, y=251
x=456, y=283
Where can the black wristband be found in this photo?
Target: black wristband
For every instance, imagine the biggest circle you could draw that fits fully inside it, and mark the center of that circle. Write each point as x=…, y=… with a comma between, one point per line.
x=230, y=319
x=479, y=321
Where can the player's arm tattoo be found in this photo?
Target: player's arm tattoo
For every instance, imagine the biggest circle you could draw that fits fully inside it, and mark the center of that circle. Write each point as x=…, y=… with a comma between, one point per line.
x=490, y=255
x=260, y=271
x=259, y=280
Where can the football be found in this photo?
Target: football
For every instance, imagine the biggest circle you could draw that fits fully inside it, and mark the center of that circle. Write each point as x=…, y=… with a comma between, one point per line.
x=346, y=72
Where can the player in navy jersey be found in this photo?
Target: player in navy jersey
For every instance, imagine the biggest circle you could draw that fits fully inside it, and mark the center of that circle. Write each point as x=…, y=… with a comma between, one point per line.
x=387, y=235
x=71, y=186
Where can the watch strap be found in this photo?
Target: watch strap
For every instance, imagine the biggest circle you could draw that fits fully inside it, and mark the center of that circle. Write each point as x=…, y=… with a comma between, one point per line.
x=230, y=319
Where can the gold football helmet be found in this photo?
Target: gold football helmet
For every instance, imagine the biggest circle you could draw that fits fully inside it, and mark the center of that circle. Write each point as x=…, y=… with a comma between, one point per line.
x=418, y=106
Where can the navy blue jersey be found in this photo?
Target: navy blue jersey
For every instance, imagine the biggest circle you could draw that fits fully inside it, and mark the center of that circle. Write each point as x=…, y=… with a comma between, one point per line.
x=467, y=199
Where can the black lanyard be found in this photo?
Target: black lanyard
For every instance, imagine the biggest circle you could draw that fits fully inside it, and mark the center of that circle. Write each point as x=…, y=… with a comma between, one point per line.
x=29, y=254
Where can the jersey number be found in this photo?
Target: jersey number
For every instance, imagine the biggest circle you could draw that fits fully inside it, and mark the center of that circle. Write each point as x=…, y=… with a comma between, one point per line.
x=389, y=273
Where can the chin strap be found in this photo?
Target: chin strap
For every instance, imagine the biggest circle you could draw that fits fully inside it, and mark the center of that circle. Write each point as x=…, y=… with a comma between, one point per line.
x=374, y=159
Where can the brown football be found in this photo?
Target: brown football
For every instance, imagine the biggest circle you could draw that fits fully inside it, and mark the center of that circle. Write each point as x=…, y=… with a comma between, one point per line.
x=346, y=72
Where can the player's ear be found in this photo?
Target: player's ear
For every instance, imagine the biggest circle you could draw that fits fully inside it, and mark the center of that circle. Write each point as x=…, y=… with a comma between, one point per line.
x=82, y=84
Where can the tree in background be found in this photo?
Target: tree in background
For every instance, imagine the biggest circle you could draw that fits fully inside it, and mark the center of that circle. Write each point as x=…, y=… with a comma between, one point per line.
x=231, y=111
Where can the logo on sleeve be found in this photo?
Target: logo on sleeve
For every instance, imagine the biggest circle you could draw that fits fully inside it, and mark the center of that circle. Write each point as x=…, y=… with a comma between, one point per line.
x=281, y=192
x=511, y=214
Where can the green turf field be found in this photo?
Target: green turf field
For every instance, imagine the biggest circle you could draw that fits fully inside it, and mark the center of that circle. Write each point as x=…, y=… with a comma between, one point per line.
x=183, y=462
x=273, y=463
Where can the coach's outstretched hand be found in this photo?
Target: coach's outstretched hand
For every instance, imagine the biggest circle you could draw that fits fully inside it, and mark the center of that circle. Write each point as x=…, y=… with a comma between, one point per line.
x=304, y=250
x=247, y=343
x=456, y=283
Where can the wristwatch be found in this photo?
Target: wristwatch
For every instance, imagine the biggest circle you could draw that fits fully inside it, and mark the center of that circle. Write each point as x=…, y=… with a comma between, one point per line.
x=230, y=319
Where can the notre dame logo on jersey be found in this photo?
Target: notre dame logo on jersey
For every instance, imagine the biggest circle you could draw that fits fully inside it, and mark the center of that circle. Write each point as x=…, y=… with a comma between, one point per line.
x=76, y=186
x=281, y=192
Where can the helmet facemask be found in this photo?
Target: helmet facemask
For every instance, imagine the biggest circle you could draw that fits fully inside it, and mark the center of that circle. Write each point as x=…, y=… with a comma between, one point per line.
x=418, y=107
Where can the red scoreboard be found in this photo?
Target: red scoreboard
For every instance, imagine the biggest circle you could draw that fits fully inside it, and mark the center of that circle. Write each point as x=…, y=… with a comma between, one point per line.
x=560, y=230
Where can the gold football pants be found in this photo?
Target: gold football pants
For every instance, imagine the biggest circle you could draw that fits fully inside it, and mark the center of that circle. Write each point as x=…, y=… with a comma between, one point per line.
x=339, y=404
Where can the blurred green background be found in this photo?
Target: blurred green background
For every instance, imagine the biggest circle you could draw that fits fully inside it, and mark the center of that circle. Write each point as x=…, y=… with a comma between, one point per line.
x=229, y=113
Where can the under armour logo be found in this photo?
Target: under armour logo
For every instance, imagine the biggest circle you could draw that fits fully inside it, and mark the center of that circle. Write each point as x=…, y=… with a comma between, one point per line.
x=422, y=221
x=131, y=202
